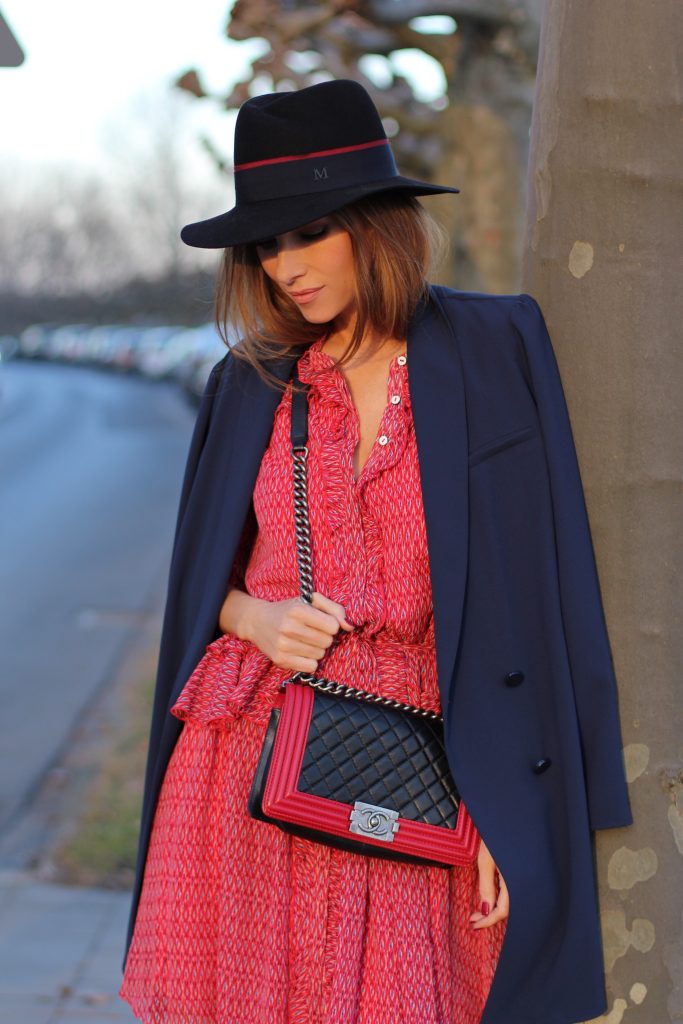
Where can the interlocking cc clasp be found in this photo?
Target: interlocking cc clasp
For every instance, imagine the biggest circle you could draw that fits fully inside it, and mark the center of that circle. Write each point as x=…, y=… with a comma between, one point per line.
x=370, y=820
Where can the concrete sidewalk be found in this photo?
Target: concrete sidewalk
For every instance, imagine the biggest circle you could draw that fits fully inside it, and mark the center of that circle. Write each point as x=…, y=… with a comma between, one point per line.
x=61, y=949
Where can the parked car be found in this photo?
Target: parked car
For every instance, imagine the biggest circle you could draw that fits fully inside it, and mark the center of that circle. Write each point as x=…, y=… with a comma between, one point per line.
x=162, y=352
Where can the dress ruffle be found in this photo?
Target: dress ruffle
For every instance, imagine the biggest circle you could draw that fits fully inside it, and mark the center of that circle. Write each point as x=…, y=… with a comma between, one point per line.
x=234, y=678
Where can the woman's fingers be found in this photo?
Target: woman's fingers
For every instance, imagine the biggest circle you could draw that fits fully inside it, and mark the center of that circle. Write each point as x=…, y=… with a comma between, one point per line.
x=497, y=910
x=326, y=604
x=307, y=631
x=493, y=900
x=487, y=885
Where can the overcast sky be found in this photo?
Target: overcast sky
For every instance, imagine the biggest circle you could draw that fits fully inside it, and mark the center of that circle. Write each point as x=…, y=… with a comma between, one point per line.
x=87, y=63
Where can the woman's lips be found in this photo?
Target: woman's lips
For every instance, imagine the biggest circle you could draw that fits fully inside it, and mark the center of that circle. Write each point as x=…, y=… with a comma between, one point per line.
x=302, y=297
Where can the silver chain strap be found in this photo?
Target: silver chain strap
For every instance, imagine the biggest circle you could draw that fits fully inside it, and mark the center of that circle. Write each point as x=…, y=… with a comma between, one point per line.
x=303, y=551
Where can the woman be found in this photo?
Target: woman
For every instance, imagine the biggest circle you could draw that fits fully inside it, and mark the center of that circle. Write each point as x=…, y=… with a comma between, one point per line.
x=414, y=551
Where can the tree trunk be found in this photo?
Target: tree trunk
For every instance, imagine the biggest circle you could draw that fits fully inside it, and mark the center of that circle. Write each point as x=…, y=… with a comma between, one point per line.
x=602, y=258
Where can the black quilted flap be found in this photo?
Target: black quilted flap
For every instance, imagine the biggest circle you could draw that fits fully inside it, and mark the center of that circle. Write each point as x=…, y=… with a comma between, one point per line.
x=395, y=759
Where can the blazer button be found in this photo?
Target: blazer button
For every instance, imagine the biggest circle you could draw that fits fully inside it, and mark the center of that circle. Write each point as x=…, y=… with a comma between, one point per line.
x=541, y=765
x=514, y=678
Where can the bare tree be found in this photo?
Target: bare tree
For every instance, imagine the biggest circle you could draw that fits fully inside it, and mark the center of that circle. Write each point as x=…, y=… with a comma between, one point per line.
x=66, y=231
x=59, y=236
x=158, y=181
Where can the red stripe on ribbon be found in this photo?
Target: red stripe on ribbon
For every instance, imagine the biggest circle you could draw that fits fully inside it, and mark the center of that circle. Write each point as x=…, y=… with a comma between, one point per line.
x=307, y=156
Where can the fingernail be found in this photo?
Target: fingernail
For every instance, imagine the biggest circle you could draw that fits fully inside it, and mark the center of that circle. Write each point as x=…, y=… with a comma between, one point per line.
x=485, y=908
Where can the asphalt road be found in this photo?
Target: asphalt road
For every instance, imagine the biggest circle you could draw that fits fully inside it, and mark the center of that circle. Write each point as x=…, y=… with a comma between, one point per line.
x=90, y=472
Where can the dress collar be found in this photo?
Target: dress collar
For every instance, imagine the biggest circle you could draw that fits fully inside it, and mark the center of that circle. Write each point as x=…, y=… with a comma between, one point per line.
x=318, y=369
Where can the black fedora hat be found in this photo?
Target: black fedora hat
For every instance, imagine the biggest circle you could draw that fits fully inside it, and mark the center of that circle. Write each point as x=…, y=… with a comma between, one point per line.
x=300, y=155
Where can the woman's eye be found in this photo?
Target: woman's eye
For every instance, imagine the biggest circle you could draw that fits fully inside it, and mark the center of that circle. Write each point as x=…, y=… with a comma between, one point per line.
x=269, y=245
x=316, y=233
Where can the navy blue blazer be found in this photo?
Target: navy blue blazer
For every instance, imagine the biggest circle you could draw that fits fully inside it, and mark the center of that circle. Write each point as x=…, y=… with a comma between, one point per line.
x=524, y=663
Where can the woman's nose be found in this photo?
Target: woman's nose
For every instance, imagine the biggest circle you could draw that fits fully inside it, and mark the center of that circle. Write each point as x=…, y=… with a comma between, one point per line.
x=289, y=267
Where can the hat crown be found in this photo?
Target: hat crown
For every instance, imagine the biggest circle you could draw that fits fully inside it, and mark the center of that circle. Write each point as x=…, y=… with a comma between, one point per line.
x=322, y=117
x=300, y=155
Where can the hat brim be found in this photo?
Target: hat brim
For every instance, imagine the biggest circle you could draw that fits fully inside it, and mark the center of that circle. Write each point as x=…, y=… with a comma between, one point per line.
x=254, y=221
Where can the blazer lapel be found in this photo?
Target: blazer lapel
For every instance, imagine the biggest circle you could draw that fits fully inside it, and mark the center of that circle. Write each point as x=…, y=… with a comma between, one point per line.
x=438, y=403
x=437, y=396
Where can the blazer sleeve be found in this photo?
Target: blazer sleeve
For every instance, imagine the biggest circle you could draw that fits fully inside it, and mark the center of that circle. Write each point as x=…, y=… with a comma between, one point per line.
x=167, y=649
x=218, y=373
x=590, y=658
x=245, y=545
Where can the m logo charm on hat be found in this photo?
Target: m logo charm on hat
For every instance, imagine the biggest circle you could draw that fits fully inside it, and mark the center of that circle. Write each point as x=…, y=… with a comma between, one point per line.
x=277, y=136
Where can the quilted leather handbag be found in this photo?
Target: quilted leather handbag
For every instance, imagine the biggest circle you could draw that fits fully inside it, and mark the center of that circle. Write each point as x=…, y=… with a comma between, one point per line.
x=345, y=767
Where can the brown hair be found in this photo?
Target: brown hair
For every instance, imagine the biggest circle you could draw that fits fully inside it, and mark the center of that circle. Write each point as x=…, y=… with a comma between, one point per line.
x=395, y=244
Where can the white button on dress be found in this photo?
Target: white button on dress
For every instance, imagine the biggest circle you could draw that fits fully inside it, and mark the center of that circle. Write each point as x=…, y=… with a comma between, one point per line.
x=383, y=439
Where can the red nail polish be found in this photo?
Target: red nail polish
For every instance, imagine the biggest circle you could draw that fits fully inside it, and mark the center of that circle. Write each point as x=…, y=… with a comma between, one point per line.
x=485, y=908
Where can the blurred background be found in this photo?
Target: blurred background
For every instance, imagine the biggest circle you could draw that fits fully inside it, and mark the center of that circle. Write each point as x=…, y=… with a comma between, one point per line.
x=559, y=122
x=117, y=126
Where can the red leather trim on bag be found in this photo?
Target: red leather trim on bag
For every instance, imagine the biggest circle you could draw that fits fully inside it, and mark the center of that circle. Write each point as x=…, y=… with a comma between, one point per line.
x=282, y=799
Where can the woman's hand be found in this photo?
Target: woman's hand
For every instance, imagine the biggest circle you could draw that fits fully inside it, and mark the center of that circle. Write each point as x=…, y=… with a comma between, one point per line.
x=492, y=910
x=293, y=634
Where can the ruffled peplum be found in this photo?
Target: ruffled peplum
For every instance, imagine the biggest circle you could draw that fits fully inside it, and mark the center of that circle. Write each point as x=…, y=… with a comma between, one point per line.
x=235, y=678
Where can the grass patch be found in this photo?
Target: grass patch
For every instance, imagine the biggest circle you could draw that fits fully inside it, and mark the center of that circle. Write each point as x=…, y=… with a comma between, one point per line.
x=101, y=849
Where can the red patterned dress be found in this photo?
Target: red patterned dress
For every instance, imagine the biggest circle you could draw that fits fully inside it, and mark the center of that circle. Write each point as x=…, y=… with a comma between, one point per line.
x=239, y=922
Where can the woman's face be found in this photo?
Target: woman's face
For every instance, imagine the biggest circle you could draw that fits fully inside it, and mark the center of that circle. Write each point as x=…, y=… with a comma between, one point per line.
x=314, y=267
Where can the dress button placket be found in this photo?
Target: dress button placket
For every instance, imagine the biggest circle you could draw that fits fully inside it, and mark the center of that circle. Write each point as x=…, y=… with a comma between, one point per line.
x=396, y=382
